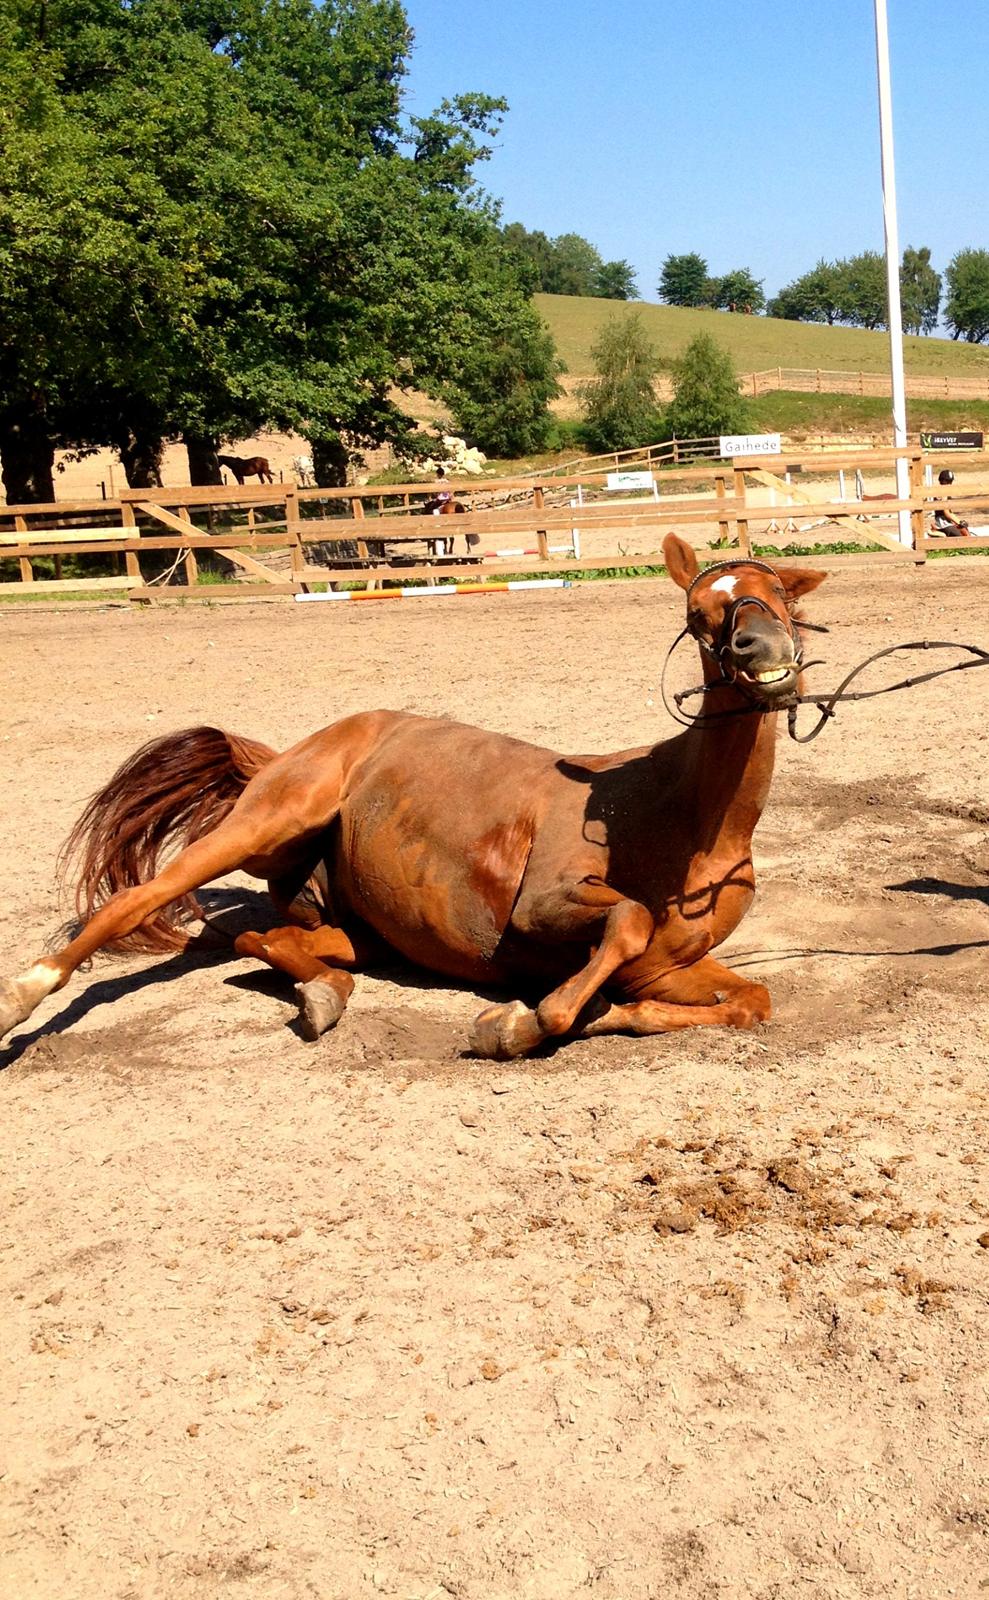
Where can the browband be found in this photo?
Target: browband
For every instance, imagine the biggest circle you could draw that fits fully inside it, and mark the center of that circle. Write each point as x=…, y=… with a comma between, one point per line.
x=718, y=566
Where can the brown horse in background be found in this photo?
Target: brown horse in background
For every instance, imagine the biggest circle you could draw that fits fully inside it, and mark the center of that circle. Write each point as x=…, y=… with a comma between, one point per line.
x=597, y=885
x=247, y=467
x=444, y=505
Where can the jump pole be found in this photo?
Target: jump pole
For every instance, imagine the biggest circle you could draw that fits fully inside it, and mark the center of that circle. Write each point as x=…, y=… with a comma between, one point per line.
x=438, y=590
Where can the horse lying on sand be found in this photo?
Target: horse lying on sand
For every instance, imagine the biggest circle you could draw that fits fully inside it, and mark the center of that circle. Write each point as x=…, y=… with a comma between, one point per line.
x=598, y=884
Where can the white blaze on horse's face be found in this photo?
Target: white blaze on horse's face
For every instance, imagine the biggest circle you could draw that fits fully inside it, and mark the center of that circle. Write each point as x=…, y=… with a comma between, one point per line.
x=724, y=585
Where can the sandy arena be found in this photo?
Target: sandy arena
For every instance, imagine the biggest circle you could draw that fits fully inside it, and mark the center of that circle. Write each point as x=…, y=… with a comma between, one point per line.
x=701, y=1315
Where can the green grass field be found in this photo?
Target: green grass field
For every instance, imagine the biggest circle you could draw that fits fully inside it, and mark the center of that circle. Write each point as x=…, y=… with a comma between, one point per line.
x=753, y=342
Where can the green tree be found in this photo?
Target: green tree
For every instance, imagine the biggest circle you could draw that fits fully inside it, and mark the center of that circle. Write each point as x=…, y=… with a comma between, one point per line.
x=533, y=250
x=214, y=219
x=706, y=401
x=813, y=297
x=574, y=266
x=619, y=404
x=738, y=291
x=862, y=296
x=920, y=291
x=684, y=280
x=967, y=306
x=616, y=281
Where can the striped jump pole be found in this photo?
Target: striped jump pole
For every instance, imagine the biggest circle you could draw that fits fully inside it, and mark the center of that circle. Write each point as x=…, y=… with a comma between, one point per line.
x=439, y=590
x=554, y=549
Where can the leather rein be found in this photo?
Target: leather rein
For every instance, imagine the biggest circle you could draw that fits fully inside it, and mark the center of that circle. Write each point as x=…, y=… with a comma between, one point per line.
x=791, y=704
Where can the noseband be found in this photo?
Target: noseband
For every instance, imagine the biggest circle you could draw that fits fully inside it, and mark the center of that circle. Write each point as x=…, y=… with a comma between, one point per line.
x=719, y=647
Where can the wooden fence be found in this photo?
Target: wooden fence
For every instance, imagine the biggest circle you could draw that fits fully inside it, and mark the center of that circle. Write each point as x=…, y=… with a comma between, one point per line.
x=817, y=380
x=278, y=540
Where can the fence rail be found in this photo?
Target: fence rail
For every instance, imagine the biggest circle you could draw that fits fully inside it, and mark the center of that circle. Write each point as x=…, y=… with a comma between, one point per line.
x=371, y=535
x=819, y=380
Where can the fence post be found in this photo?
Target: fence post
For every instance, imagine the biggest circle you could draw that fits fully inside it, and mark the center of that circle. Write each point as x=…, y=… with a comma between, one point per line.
x=741, y=522
x=541, y=538
x=27, y=571
x=916, y=509
x=721, y=490
x=293, y=532
x=129, y=522
x=190, y=563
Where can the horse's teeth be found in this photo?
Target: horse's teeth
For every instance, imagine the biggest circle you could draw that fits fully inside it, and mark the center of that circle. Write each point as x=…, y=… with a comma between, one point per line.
x=771, y=677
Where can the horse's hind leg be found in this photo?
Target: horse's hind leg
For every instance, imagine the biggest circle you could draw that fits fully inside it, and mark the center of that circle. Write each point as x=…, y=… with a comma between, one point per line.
x=230, y=844
x=320, y=960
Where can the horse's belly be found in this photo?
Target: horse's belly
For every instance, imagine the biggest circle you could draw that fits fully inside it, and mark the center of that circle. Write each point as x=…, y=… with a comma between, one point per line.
x=436, y=881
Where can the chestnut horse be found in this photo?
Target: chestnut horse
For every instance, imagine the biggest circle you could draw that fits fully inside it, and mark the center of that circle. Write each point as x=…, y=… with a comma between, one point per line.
x=597, y=885
x=247, y=467
x=444, y=505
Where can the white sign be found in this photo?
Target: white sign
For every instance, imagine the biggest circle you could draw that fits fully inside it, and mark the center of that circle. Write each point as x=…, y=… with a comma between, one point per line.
x=630, y=480
x=749, y=444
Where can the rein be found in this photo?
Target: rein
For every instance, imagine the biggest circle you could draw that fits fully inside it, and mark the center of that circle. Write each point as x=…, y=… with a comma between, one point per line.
x=827, y=702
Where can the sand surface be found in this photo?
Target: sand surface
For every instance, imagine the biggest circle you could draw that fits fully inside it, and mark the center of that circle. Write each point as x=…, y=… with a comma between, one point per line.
x=701, y=1315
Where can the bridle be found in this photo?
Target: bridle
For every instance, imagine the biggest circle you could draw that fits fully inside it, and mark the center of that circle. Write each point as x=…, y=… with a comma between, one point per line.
x=717, y=647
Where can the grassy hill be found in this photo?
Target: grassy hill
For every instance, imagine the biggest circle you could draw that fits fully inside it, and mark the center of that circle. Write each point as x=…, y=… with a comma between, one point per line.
x=753, y=342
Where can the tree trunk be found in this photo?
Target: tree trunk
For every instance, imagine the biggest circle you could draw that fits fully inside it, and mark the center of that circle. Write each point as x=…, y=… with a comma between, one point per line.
x=27, y=455
x=140, y=455
x=331, y=459
x=203, y=465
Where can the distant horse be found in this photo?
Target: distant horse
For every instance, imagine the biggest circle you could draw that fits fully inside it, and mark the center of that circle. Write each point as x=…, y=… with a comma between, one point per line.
x=247, y=467
x=302, y=466
x=444, y=505
x=597, y=885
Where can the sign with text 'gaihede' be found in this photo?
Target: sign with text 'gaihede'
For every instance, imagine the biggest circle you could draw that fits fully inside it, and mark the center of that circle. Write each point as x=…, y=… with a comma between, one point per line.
x=749, y=444
x=951, y=441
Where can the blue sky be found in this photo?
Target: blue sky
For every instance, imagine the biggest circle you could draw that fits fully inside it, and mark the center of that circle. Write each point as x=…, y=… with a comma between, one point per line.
x=745, y=131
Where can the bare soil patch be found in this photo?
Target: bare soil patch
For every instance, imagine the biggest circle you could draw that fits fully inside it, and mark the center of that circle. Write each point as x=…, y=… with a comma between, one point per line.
x=697, y=1315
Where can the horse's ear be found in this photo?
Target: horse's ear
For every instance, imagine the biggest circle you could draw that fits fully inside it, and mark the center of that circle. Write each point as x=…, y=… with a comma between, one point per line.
x=681, y=560
x=798, y=581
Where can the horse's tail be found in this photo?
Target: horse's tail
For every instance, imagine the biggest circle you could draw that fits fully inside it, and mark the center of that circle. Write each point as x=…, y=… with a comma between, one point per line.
x=170, y=792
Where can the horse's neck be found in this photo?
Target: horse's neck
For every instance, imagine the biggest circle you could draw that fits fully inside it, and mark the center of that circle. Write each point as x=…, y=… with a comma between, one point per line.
x=729, y=768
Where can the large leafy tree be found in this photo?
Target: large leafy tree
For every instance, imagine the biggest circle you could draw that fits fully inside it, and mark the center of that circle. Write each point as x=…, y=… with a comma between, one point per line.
x=736, y=291
x=862, y=290
x=619, y=403
x=616, y=281
x=574, y=266
x=920, y=291
x=967, y=305
x=213, y=218
x=706, y=401
x=813, y=297
x=684, y=280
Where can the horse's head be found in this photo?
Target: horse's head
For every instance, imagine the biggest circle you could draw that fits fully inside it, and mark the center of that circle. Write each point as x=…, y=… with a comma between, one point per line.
x=742, y=614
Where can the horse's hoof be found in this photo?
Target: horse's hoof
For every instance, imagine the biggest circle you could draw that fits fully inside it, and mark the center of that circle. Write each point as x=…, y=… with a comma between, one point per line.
x=13, y=1007
x=320, y=1008
x=504, y=1031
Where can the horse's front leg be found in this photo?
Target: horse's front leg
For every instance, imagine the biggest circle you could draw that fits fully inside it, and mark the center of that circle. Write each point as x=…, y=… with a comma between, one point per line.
x=577, y=912
x=705, y=994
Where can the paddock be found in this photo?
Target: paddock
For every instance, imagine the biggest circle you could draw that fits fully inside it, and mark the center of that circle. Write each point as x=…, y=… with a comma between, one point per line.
x=699, y=1314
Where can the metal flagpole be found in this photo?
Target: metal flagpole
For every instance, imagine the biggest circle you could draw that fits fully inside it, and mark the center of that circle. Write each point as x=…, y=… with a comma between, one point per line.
x=892, y=268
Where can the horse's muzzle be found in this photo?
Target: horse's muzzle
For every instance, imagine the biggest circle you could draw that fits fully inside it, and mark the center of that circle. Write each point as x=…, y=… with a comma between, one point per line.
x=762, y=658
